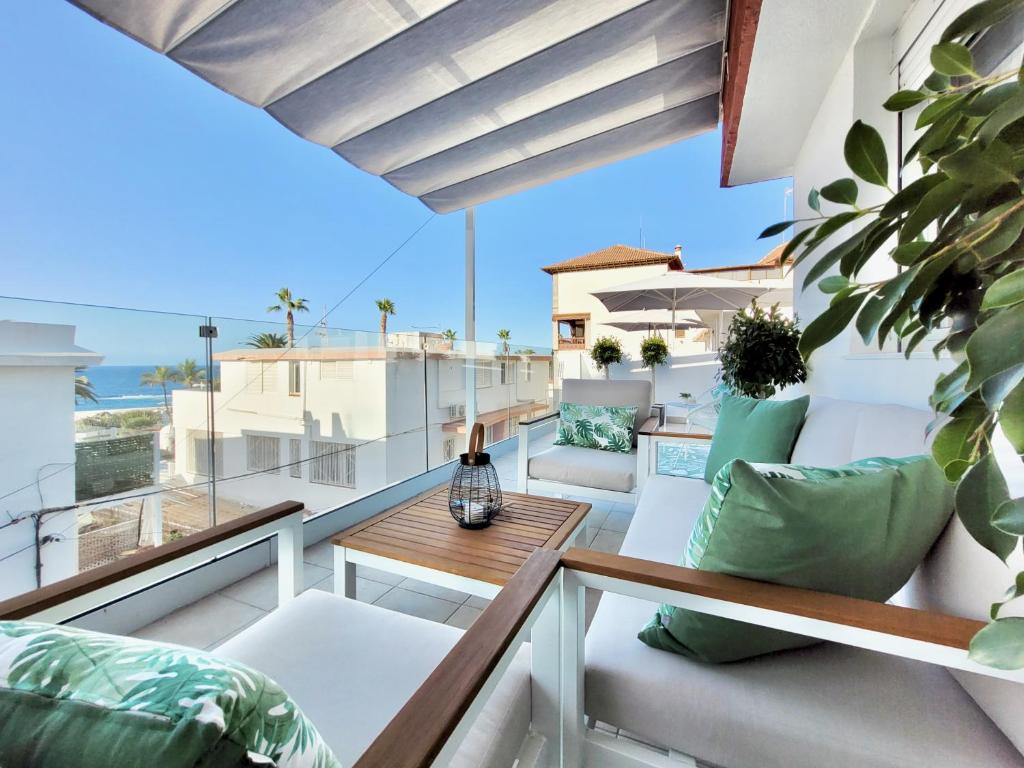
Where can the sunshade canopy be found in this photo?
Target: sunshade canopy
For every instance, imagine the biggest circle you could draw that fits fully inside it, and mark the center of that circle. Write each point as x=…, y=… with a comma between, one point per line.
x=454, y=101
x=655, y=320
x=677, y=290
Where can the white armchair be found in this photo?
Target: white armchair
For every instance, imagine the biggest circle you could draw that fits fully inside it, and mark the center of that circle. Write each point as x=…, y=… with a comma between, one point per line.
x=565, y=470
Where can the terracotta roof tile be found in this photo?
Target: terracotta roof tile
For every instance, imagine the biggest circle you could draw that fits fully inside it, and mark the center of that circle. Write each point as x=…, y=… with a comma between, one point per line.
x=615, y=256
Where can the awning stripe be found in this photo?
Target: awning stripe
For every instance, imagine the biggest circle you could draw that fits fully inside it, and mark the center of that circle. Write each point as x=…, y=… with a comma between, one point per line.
x=457, y=101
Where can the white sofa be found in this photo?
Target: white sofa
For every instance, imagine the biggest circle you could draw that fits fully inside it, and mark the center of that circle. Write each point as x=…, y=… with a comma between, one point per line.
x=827, y=705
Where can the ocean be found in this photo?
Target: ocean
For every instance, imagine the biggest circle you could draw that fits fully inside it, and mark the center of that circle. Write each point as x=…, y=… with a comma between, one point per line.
x=118, y=387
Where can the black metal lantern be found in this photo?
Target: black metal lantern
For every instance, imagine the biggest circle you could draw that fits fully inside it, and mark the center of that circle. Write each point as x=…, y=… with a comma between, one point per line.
x=474, y=497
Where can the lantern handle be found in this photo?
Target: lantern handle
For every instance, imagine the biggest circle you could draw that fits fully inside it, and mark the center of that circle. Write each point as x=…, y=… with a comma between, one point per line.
x=476, y=442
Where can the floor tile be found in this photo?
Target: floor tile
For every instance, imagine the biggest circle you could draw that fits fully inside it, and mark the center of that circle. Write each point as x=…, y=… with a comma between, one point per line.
x=608, y=541
x=366, y=591
x=204, y=623
x=621, y=506
x=464, y=617
x=617, y=521
x=478, y=602
x=374, y=574
x=424, y=588
x=260, y=589
x=592, y=532
x=417, y=604
x=321, y=553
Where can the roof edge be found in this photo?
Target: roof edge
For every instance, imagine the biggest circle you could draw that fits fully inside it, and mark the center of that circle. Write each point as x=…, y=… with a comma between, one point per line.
x=744, y=16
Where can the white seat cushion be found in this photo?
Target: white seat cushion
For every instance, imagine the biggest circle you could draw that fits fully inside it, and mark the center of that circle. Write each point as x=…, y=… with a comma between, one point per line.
x=351, y=666
x=587, y=467
x=826, y=705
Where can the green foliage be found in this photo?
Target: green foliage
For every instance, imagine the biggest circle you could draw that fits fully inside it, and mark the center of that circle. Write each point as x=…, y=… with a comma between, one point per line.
x=607, y=351
x=267, y=341
x=960, y=252
x=139, y=419
x=84, y=389
x=653, y=351
x=760, y=355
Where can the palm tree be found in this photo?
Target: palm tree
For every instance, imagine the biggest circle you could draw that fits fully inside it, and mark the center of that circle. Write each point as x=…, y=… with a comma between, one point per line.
x=190, y=374
x=267, y=340
x=504, y=334
x=161, y=376
x=83, y=387
x=449, y=335
x=385, y=307
x=289, y=305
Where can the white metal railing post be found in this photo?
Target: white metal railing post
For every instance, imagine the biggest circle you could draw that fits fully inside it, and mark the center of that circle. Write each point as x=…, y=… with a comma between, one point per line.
x=289, y=559
x=523, y=457
x=573, y=621
x=644, y=445
x=470, y=321
x=546, y=677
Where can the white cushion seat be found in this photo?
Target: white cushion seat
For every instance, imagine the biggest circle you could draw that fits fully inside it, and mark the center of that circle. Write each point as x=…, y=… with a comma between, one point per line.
x=352, y=666
x=587, y=467
x=825, y=705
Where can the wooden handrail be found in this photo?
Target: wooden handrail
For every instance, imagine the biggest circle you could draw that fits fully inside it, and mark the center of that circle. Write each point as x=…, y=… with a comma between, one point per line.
x=538, y=419
x=418, y=733
x=894, y=620
x=38, y=600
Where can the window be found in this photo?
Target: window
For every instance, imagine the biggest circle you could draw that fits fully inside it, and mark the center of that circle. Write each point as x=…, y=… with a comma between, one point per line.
x=572, y=332
x=295, y=457
x=260, y=377
x=484, y=375
x=294, y=378
x=338, y=370
x=262, y=453
x=489, y=434
x=528, y=372
x=448, y=449
x=198, y=459
x=332, y=463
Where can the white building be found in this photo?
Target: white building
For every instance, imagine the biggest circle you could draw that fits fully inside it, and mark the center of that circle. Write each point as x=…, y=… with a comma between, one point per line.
x=578, y=318
x=37, y=452
x=325, y=425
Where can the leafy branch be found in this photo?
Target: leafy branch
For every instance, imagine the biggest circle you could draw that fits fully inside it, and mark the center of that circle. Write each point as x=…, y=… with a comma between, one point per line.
x=954, y=239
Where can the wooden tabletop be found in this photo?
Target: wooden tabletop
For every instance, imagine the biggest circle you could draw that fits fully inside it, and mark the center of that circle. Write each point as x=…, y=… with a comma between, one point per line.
x=422, y=531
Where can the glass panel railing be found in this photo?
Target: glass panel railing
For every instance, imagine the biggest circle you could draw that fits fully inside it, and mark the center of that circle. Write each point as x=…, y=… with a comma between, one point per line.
x=89, y=469
x=127, y=429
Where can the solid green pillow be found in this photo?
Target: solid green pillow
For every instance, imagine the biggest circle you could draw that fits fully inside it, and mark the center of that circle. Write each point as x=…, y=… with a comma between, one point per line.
x=858, y=530
x=604, y=427
x=73, y=697
x=755, y=430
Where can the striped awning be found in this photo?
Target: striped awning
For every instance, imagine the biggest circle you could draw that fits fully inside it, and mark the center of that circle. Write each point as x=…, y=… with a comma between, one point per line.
x=454, y=101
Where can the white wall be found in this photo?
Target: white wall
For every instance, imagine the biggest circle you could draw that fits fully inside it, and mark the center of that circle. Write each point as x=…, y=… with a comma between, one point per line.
x=845, y=368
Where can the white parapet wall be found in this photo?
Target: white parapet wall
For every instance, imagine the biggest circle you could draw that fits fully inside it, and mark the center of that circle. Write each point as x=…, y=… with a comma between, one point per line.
x=37, y=451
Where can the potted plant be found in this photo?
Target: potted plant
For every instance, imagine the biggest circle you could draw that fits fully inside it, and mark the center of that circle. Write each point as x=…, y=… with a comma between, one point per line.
x=686, y=397
x=653, y=352
x=760, y=354
x=607, y=350
x=953, y=237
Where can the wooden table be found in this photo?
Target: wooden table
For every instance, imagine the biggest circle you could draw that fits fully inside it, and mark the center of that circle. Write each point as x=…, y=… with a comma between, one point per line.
x=420, y=539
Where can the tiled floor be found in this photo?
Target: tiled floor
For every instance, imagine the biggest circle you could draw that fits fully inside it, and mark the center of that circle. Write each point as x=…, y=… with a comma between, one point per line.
x=212, y=620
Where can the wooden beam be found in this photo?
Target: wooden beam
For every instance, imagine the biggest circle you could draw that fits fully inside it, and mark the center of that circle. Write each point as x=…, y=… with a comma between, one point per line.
x=744, y=16
x=38, y=600
x=911, y=623
x=416, y=735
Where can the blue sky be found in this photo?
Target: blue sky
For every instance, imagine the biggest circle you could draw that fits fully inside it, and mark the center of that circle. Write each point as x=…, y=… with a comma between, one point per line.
x=128, y=181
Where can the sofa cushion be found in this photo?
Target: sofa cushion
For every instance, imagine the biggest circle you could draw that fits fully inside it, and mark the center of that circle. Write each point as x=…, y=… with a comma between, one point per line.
x=606, y=392
x=602, y=427
x=583, y=466
x=827, y=705
x=754, y=430
x=351, y=667
x=858, y=530
x=74, y=697
x=840, y=431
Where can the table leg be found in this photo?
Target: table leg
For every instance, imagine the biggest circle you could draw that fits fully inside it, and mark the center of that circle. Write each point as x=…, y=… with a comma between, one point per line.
x=344, y=574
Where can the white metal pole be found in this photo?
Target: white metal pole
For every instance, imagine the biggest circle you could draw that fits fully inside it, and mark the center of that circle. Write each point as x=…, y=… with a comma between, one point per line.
x=470, y=320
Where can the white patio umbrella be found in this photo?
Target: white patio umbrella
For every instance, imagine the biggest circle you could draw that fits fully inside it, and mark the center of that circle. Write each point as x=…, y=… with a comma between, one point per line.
x=651, y=321
x=677, y=291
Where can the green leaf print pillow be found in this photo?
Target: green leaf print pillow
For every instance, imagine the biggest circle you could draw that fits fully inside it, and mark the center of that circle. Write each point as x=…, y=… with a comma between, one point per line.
x=73, y=697
x=605, y=427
